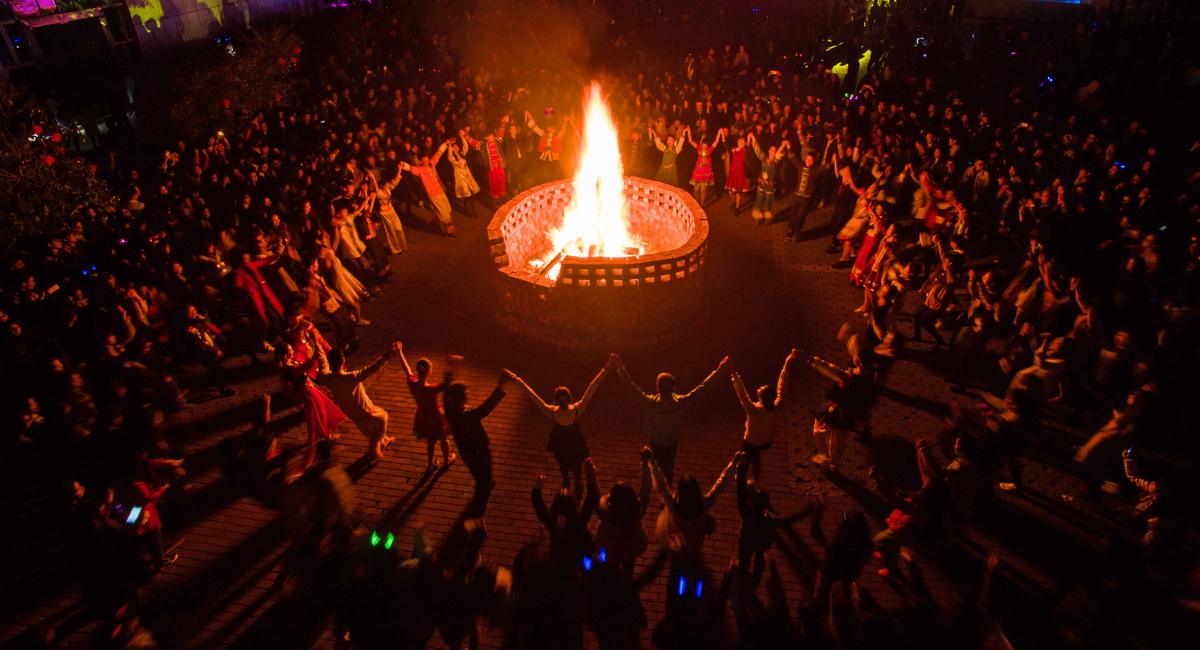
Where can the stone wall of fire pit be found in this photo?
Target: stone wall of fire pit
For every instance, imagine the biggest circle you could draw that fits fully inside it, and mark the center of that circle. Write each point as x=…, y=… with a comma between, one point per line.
x=601, y=300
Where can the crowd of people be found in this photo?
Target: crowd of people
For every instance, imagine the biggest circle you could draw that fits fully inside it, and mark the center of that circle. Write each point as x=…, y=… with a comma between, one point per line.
x=1047, y=247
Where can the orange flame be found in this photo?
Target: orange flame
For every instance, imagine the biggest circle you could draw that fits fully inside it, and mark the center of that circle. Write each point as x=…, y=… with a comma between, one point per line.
x=596, y=221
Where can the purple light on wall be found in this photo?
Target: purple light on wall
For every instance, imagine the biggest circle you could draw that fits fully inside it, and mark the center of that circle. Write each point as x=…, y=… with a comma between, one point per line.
x=32, y=7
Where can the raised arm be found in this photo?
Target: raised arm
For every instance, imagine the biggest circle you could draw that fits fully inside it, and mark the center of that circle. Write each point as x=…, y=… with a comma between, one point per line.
x=484, y=409
x=591, y=497
x=690, y=140
x=829, y=370
x=658, y=144
x=399, y=347
x=782, y=384
x=758, y=152
x=363, y=373
x=718, y=486
x=707, y=380
x=533, y=125
x=437, y=156
x=663, y=485
x=546, y=408
x=680, y=141
x=590, y=391
x=467, y=140
x=739, y=389
x=629, y=383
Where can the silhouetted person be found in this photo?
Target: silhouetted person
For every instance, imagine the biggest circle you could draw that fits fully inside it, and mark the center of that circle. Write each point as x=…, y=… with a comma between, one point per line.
x=474, y=446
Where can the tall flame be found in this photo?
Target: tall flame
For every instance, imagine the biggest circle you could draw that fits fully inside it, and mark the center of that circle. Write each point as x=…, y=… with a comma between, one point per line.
x=596, y=221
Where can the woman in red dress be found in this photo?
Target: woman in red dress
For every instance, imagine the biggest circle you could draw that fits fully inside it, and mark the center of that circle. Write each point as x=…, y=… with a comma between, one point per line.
x=430, y=422
x=321, y=413
x=307, y=344
x=738, y=184
x=702, y=174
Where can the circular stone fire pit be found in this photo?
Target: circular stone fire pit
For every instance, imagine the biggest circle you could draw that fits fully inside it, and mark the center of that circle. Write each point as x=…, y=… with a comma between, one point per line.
x=601, y=300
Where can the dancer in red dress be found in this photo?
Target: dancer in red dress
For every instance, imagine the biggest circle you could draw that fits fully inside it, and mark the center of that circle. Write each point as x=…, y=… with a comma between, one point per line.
x=738, y=183
x=321, y=413
x=430, y=422
x=307, y=344
x=702, y=176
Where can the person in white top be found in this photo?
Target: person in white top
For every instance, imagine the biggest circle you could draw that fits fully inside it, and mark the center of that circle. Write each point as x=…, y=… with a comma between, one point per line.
x=351, y=396
x=567, y=443
x=760, y=412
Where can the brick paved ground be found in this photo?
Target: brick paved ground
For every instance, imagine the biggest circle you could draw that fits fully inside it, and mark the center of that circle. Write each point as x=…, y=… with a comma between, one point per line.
x=765, y=295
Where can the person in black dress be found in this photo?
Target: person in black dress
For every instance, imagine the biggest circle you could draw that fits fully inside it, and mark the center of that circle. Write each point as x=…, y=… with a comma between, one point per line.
x=566, y=443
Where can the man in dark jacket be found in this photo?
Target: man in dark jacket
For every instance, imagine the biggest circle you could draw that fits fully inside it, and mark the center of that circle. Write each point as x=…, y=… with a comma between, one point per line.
x=474, y=447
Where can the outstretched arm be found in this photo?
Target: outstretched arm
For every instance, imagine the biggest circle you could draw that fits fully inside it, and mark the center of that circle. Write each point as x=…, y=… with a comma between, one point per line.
x=546, y=408
x=631, y=385
x=758, y=152
x=679, y=141
x=719, y=485
x=490, y=403
x=779, y=522
x=408, y=372
x=663, y=485
x=690, y=140
x=644, y=489
x=707, y=380
x=437, y=156
x=782, y=384
x=533, y=125
x=739, y=389
x=375, y=366
x=658, y=144
x=590, y=391
x=827, y=369
x=592, y=496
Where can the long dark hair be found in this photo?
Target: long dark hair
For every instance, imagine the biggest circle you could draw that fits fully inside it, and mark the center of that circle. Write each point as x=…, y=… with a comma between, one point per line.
x=623, y=504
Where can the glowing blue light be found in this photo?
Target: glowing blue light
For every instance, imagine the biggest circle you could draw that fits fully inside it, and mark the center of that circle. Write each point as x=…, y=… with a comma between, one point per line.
x=699, y=588
x=587, y=564
x=682, y=585
x=603, y=556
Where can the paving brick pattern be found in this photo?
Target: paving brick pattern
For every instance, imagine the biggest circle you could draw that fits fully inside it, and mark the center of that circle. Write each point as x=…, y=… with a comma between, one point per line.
x=764, y=295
